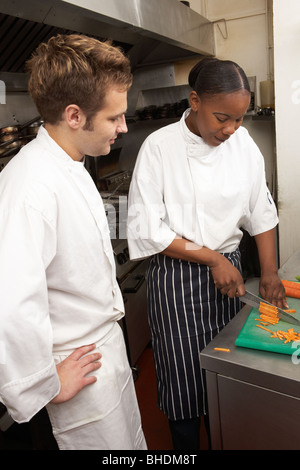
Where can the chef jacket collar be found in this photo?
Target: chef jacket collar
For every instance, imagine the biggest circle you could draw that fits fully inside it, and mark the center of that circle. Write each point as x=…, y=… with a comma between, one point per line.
x=196, y=146
x=44, y=138
x=83, y=181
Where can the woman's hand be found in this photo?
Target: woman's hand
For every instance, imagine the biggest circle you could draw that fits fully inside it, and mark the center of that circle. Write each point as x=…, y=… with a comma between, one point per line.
x=272, y=290
x=73, y=372
x=227, y=278
x=270, y=287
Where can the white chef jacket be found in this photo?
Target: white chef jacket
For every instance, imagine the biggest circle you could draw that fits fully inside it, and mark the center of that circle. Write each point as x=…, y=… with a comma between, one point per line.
x=58, y=286
x=182, y=186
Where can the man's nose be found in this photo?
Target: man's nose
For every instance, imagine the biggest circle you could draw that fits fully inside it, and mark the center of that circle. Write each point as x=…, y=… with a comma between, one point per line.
x=122, y=127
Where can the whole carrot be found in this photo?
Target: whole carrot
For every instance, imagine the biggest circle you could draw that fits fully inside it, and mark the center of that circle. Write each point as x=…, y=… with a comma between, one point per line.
x=292, y=292
x=292, y=284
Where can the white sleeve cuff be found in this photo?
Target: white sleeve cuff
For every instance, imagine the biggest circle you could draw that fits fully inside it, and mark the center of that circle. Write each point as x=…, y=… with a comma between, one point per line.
x=25, y=397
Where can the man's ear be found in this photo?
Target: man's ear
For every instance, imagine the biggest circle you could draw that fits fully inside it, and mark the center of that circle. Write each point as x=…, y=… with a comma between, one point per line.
x=194, y=101
x=74, y=116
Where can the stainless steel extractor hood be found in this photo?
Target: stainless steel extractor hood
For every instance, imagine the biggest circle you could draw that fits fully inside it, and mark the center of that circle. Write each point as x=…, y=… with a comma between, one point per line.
x=150, y=31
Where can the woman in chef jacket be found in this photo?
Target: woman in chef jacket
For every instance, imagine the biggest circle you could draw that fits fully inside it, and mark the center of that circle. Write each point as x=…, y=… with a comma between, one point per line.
x=196, y=183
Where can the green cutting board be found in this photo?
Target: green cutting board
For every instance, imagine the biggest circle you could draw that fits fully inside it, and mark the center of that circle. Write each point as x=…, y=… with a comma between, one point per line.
x=255, y=338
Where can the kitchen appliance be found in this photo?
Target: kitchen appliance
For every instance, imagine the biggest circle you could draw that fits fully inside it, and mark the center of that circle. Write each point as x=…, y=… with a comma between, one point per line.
x=164, y=31
x=253, y=337
x=13, y=138
x=131, y=275
x=116, y=181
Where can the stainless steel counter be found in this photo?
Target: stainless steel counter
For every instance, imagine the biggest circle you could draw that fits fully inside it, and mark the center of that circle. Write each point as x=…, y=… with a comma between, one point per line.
x=261, y=367
x=253, y=396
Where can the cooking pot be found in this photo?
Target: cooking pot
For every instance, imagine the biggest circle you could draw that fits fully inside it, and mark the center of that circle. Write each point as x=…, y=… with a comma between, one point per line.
x=30, y=127
x=10, y=135
x=33, y=128
x=9, y=129
x=15, y=142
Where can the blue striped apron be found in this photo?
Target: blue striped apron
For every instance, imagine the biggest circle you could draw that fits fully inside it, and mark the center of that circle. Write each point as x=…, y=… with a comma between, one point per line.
x=185, y=312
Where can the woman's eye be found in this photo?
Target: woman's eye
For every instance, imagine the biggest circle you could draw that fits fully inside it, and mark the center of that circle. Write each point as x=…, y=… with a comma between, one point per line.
x=221, y=119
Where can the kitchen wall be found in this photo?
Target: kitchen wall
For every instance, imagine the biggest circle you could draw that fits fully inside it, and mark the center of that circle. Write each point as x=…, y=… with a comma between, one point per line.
x=241, y=33
x=287, y=96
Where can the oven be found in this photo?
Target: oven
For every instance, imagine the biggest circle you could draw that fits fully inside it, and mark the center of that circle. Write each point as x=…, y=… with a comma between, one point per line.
x=14, y=137
x=132, y=283
x=131, y=274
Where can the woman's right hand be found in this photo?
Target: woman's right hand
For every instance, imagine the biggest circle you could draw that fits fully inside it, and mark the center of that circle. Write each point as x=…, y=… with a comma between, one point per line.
x=227, y=278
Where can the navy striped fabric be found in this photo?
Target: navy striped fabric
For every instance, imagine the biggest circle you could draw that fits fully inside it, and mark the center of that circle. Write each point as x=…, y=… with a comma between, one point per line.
x=185, y=312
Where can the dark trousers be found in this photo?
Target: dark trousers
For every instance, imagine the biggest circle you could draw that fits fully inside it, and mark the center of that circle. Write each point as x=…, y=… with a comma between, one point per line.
x=186, y=433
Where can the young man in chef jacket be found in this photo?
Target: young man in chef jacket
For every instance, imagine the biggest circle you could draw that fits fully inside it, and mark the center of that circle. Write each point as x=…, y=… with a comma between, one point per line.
x=61, y=345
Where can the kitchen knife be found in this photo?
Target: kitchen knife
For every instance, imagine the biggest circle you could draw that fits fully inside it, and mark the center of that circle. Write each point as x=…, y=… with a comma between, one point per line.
x=254, y=301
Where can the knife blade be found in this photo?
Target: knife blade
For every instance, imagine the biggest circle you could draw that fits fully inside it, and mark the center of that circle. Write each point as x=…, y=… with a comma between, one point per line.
x=254, y=301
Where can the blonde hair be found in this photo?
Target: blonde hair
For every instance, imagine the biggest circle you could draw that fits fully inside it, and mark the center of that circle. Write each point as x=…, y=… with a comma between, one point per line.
x=75, y=69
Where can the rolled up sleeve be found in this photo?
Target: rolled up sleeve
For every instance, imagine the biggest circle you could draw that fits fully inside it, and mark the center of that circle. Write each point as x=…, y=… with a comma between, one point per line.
x=263, y=212
x=148, y=231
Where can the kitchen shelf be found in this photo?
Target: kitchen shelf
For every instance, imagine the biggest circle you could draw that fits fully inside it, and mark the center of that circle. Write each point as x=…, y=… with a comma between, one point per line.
x=263, y=118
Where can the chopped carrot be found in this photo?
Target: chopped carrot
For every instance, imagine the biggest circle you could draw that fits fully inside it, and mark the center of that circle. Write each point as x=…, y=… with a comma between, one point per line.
x=289, y=310
x=286, y=336
x=222, y=349
x=260, y=326
x=269, y=316
x=267, y=308
x=268, y=313
x=269, y=319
